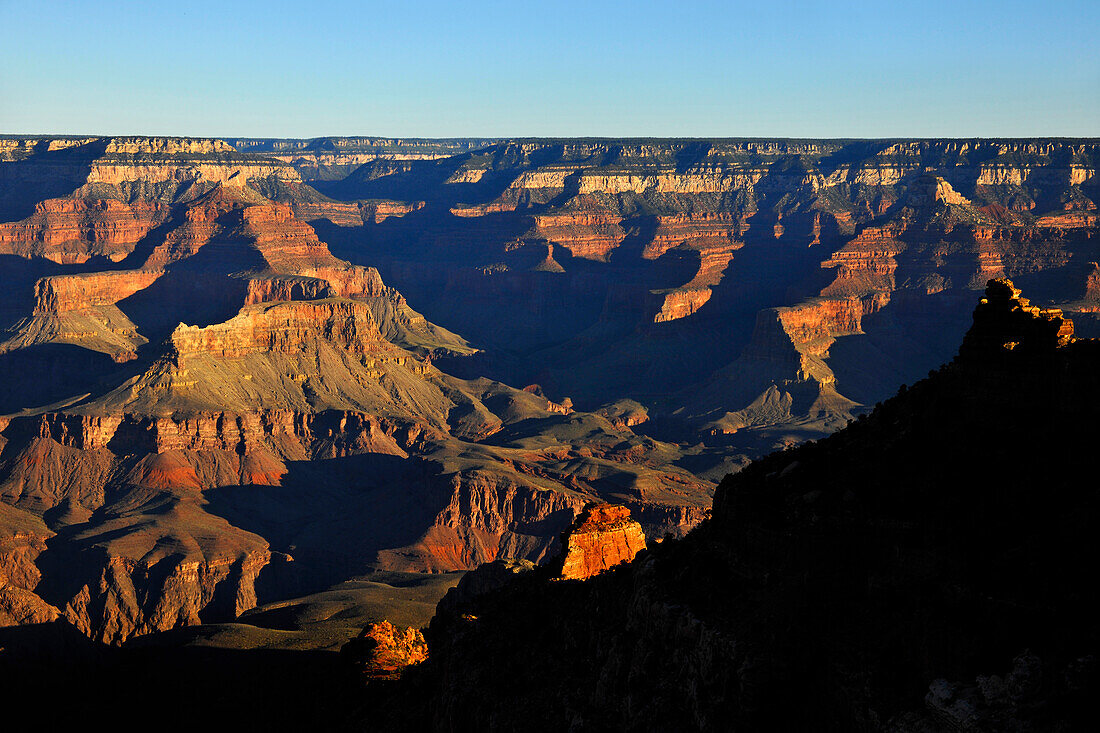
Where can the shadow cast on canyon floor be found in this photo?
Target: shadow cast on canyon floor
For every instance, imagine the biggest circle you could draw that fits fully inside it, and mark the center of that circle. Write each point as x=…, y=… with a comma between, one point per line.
x=46, y=374
x=333, y=516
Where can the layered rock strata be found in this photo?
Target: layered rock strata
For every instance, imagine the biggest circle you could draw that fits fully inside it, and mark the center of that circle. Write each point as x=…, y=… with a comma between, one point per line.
x=601, y=537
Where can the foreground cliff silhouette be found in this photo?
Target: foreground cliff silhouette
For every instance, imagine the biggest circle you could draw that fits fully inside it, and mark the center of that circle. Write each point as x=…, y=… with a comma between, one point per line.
x=930, y=567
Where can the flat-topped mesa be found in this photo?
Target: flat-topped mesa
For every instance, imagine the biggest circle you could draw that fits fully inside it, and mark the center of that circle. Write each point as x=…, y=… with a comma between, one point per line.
x=17, y=148
x=602, y=536
x=283, y=328
x=1005, y=322
x=64, y=293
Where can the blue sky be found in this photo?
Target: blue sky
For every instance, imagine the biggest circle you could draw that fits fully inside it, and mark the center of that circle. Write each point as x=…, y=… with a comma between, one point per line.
x=774, y=68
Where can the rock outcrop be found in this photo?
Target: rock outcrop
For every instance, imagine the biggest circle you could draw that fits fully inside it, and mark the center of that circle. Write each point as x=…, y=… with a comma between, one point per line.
x=23, y=538
x=601, y=537
x=383, y=652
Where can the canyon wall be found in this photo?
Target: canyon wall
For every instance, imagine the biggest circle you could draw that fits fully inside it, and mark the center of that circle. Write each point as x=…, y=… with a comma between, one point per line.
x=238, y=370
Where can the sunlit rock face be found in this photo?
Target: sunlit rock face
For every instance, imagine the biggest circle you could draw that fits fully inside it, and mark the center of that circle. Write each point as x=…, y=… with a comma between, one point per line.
x=383, y=651
x=601, y=537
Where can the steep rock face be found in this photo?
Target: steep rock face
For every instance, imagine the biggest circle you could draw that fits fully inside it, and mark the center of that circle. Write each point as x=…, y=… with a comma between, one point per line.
x=941, y=597
x=286, y=243
x=379, y=211
x=141, y=596
x=73, y=231
x=784, y=373
x=129, y=175
x=591, y=235
x=282, y=328
x=23, y=538
x=601, y=537
x=63, y=293
x=488, y=516
x=166, y=146
x=315, y=283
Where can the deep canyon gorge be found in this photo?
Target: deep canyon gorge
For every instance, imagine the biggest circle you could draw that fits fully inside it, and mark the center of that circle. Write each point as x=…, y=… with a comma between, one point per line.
x=249, y=385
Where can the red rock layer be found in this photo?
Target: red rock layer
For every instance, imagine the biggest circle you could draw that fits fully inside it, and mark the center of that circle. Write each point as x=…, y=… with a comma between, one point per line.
x=681, y=303
x=298, y=435
x=284, y=328
x=286, y=243
x=314, y=283
x=822, y=319
x=340, y=213
x=64, y=293
x=702, y=231
x=274, y=288
x=865, y=264
x=715, y=237
x=602, y=537
x=72, y=231
x=379, y=211
x=810, y=327
x=589, y=235
x=200, y=223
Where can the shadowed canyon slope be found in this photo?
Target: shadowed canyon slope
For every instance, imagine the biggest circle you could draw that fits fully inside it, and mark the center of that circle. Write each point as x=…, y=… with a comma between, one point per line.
x=928, y=568
x=243, y=371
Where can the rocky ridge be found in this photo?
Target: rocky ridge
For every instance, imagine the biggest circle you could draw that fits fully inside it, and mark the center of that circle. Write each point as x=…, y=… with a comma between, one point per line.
x=937, y=597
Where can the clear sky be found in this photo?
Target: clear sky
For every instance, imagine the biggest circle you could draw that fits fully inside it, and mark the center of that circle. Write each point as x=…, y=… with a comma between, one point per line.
x=436, y=68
